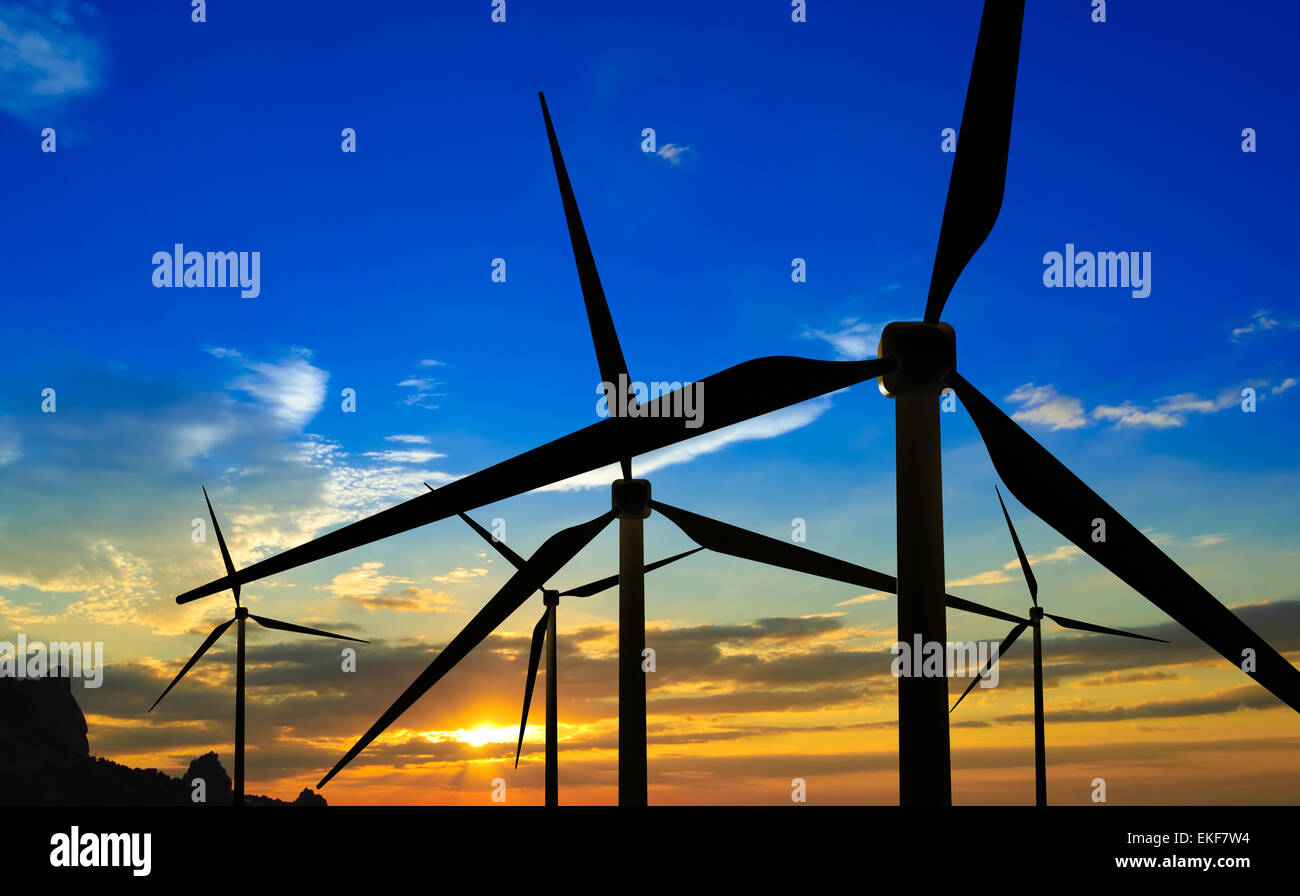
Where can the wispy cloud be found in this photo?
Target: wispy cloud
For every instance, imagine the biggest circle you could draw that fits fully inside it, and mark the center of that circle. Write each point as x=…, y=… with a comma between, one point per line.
x=855, y=340
x=404, y=455
x=292, y=389
x=674, y=154
x=1065, y=553
x=1043, y=404
x=50, y=50
x=1261, y=321
x=990, y=577
x=863, y=599
x=408, y=439
x=460, y=574
x=422, y=390
x=1046, y=406
x=368, y=586
x=768, y=426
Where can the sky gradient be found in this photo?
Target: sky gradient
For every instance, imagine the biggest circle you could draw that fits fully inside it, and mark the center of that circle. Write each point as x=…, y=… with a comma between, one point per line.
x=776, y=140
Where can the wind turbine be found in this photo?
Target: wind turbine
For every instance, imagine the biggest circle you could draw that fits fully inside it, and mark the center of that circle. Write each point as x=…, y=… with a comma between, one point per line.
x=917, y=361
x=545, y=632
x=1035, y=621
x=241, y=616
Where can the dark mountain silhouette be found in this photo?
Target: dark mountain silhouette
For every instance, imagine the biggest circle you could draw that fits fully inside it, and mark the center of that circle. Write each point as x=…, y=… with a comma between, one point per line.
x=45, y=759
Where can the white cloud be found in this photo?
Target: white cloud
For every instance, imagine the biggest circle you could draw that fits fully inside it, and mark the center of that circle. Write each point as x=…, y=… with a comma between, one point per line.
x=674, y=154
x=768, y=426
x=990, y=577
x=1129, y=414
x=855, y=340
x=864, y=599
x=373, y=590
x=408, y=439
x=293, y=389
x=49, y=50
x=460, y=574
x=1065, y=552
x=422, y=389
x=404, y=456
x=1260, y=321
x=1043, y=404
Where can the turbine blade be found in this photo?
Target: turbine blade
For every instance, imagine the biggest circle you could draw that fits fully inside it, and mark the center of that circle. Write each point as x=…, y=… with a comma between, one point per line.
x=502, y=548
x=1002, y=649
x=225, y=553
x=203, y=648
x=739, y=393
x=592, y=588
x=300, y=629
x=728, y=539
x=1099, y=629
x=1020, y=552
x=554, y=553
x=979, y=168
x=970, y=606
x=1059, y=498
x=609, y=354
x=534, y=657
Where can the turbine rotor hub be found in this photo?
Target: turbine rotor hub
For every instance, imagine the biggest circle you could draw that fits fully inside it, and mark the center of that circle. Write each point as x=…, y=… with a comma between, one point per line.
x=1035, y=614
x=632, y=498
x=926, y=353
x=550, y=597
x=241, y=612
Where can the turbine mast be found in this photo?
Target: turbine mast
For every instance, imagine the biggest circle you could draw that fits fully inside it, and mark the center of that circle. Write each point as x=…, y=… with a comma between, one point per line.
x=241, y=618
x=1040, y=749
x=925, y=352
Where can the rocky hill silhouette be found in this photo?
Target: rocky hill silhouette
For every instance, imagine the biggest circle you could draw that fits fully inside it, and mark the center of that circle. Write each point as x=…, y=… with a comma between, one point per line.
x=45, y=759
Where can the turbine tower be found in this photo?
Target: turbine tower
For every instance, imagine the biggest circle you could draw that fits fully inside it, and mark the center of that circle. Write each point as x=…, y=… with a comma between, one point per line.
x=240, y=618
x=1035, y=621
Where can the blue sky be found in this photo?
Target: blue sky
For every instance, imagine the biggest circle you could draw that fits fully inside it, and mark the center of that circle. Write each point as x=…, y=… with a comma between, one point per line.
x=818, y=140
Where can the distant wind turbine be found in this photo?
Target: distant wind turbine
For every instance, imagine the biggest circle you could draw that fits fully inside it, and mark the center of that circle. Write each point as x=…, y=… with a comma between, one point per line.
x=545, y=633
x=1035, y=620
x=241, y=614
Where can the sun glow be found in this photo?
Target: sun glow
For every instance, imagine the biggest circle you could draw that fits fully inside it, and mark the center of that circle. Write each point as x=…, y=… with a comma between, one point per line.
x=477, y=737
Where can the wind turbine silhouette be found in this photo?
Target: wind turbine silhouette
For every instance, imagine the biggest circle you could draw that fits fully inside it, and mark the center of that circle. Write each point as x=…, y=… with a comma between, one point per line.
x=1035, y=621
x=545, y=633
x=916, y=363
x=240, y=617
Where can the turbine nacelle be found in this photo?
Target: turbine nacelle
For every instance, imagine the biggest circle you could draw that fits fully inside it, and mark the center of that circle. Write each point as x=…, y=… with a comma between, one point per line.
x=925, y=353
x=632, y=498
